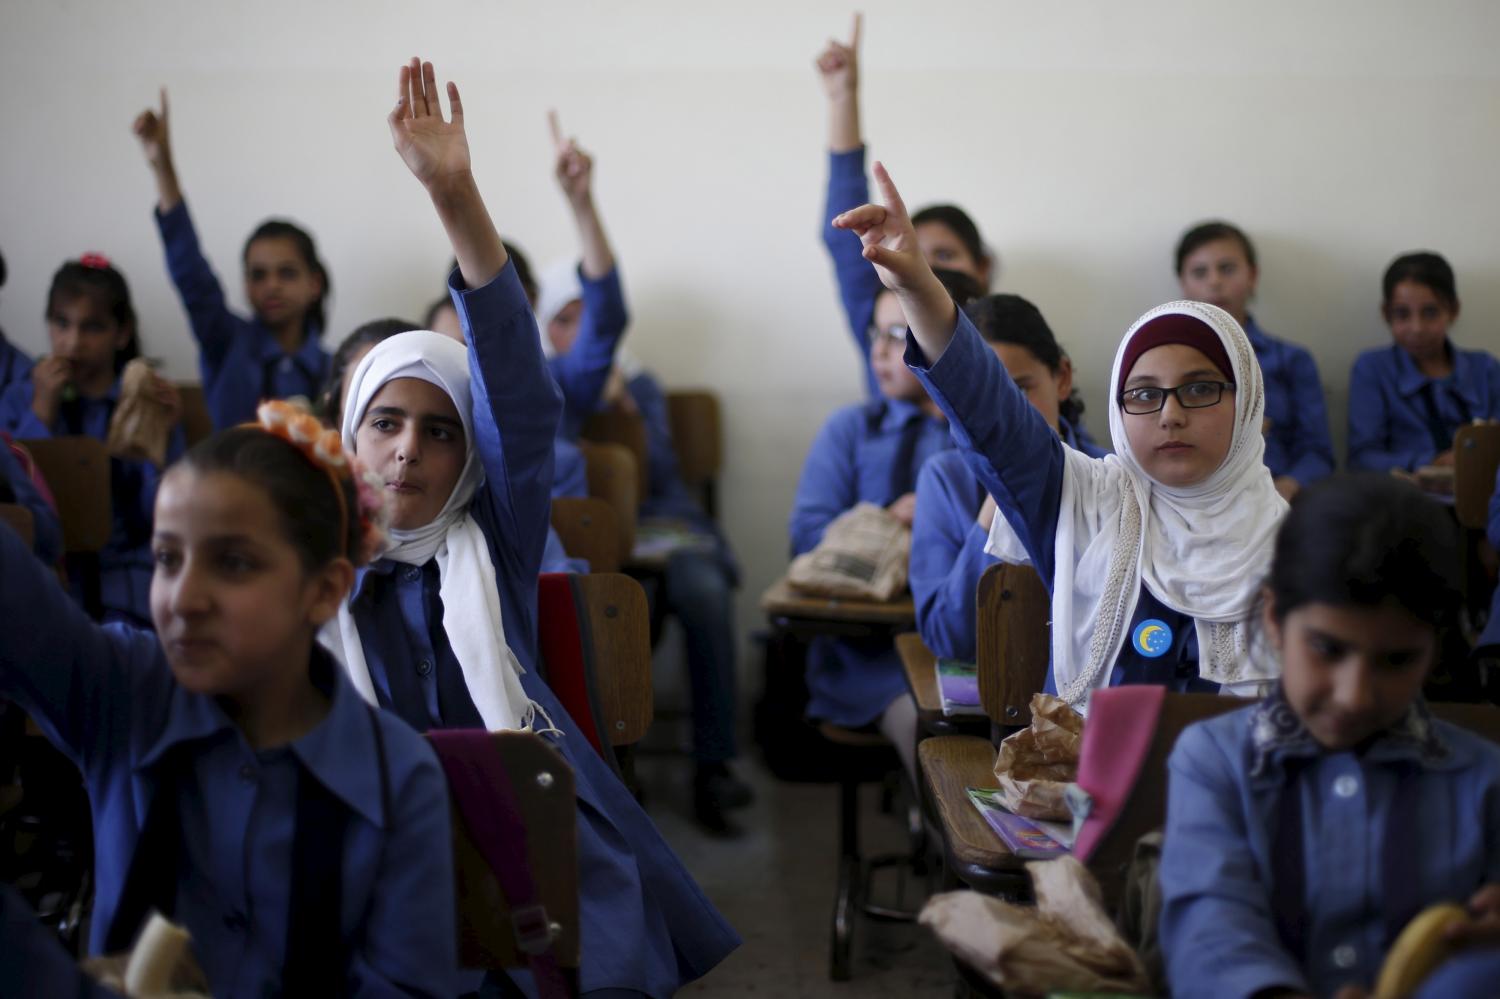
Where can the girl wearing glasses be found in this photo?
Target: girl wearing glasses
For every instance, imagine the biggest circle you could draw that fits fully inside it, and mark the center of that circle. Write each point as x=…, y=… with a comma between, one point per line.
x=870, y=452
x=1152, y=555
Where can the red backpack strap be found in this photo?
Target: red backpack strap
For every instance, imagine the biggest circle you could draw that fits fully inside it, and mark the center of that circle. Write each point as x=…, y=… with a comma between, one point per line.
x=567, y=656
x=1116, y=738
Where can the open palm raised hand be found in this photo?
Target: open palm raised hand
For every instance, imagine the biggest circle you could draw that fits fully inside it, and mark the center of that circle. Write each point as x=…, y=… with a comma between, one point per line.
x=433, y=149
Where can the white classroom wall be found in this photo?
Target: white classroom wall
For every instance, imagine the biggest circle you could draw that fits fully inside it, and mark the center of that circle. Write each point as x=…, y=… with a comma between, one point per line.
x=1082, y=136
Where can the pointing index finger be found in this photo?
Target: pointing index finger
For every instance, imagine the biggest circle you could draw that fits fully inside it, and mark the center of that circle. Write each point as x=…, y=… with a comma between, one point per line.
x=556, y=129
x=888, y=192
x=859, y=22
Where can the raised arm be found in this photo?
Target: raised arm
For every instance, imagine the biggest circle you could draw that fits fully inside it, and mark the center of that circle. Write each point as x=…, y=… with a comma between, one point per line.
x=838, y=68
x=583, y=370
x=516, y=405
x=213, y=325
x=574, y=169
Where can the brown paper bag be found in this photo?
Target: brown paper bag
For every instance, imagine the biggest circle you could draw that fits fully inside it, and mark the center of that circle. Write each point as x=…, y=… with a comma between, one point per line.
x=141, y=424
x=1035, y=766
x=863, y=556
x=1065, y=944
x=159, y=965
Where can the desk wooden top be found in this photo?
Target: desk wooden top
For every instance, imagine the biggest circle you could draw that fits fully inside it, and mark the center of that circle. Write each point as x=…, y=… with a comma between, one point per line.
x=950, y=764
x=921, y=672
x=780, y=600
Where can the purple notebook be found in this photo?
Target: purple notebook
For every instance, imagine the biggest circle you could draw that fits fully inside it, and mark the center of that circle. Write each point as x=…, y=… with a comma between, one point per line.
x=958, y=685
x=1021, y=836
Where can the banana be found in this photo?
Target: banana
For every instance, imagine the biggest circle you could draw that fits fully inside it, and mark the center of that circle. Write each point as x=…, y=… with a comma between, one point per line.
x=1418, y=951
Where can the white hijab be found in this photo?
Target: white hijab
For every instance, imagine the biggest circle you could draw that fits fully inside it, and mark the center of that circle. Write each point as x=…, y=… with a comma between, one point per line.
x=471, y=603
x=1203, y=550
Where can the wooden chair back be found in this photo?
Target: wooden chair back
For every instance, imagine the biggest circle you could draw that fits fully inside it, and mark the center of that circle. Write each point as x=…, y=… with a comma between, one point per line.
x=612, y=473
x=697, y=435
x=617, y=628
x=589, y=530
x=1476, y=458
x=616, y=426
x=77, y=472
x=543, y=786
x=196, y=423
x=1014, y=641
x=20, y=520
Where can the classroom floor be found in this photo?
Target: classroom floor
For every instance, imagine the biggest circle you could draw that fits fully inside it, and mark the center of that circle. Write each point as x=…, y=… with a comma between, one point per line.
x=775, y=885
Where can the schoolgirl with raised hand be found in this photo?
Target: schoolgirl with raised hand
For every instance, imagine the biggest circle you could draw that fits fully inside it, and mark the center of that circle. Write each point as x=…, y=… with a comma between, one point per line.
x=1152, y=555
x=274, y=353
x=442, y=630
x=239, y=784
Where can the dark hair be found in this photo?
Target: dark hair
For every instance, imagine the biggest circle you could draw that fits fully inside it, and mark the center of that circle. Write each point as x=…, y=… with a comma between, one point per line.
x=2, y=270
x=104, y=283
x=1364, y=539
x=1423, y=267
x=961, y=287
x=317, y=315
x=523, y=274
x=1209, y=232
x=1012, y=319
x=302, y=493
x=331, y=397
x=956, y=220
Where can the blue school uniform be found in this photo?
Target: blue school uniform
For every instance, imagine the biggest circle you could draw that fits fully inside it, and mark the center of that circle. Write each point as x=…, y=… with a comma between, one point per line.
x=1286, y=865
x=1019, y=461
x=583, y=370
x=1297, y=441
x=1400, y=418
x=33, y=964
x=569, y=470
x=1491, y=634
x=15, y=365
x=239, y=359
x=645, y=924
x=125, y=565
x=858, y=283
x=46, y=530
x=947, y=550
x=106, y=697
x=869, y=453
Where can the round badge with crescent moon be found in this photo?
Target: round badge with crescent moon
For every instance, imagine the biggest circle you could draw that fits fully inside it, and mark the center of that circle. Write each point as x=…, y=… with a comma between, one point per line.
x=1152, y=638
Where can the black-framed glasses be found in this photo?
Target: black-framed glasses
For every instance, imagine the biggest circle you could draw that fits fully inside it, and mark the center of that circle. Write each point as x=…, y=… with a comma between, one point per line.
x=1149, y=399
x=895, y=331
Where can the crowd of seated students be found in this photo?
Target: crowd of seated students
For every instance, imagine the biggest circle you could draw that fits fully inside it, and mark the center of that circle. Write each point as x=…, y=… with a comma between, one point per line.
x=259, y=608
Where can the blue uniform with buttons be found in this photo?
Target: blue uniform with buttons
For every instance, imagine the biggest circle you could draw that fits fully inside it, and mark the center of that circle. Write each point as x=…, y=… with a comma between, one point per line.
x=106, y=697
x=1412, y=820
x=240, y=360
x=125, y=562
x=1400, y=418
x=1017, y=458
x=858, y=457
x=645, y=924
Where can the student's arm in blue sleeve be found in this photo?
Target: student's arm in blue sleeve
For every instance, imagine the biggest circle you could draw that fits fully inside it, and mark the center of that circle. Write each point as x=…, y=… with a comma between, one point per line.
x=848, y=187
x=1218, y=936
x=16, y=415
x=1312, y=448
x=583, y=370
x=1370, y=421
x=71, y=676
x=1015, y=455
x=212, y=323
x=409, y=946
x=516, y=409
x=947, y=559
x=46, y=529
x=661, y=452
x=829, y=483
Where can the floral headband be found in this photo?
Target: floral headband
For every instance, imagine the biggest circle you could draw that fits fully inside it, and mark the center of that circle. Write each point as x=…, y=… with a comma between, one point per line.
x=321, y=446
